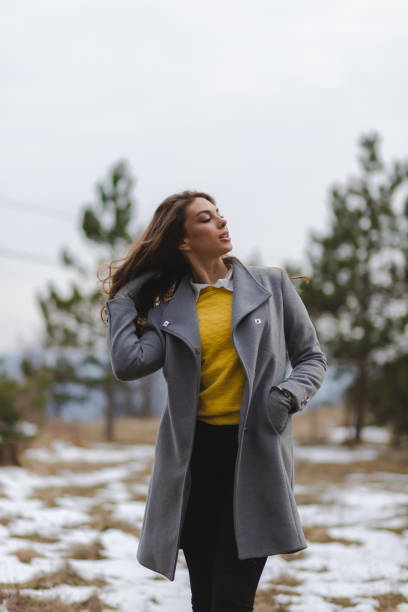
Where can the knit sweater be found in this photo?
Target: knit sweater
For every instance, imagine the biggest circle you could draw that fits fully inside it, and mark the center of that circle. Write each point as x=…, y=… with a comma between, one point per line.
x=222, y=374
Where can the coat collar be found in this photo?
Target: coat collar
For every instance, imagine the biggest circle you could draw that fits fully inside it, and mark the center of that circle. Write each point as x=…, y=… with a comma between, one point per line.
x=181, y=316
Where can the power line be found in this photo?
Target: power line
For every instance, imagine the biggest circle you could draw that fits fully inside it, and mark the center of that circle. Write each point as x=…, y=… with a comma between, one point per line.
x=44, y=210
x=24, y=255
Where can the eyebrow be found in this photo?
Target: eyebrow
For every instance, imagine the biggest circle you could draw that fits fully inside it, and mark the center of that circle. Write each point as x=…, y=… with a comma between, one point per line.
x=207, y=211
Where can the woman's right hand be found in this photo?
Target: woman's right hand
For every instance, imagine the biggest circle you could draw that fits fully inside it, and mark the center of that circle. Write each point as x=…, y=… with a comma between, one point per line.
x=133, y=287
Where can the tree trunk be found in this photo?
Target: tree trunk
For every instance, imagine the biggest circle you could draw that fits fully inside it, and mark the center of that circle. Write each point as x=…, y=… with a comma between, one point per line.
x=109, y=412
x=361, y=403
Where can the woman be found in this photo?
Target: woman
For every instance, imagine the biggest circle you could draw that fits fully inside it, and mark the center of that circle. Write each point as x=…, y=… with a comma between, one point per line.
x=222, y=482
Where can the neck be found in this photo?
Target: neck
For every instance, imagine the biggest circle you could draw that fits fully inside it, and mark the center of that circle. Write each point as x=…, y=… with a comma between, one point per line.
x=208, y=271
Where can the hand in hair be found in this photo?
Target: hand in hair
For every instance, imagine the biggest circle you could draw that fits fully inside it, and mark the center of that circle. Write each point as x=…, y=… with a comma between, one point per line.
x=132, y=288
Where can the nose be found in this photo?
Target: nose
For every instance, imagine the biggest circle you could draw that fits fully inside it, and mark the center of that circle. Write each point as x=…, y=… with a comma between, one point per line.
x=223, y=221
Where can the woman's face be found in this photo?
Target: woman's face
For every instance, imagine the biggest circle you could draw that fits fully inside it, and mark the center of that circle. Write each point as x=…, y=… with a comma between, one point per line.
x=206, y=232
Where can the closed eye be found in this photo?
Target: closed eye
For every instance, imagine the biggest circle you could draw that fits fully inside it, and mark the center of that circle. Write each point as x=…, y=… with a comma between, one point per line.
x=206, y=220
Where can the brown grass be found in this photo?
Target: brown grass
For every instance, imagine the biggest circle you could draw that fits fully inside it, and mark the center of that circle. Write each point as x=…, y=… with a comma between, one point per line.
x=309, y=474
x=48, y=495
x=313, y=426
x=319, y=534
x=396, y=530
x=143, y=430
x=26, y=554
x=91, y=551
x=50, y=469
x=129, y=430
x=388, y=602
x=293, y=556
x=311, y=498
x=102, y=520
x=285, y=580
x=138, y=497
x=345, y=602
x=265, y=600
x=36, y=537
x=17, y=602
x=64, y=575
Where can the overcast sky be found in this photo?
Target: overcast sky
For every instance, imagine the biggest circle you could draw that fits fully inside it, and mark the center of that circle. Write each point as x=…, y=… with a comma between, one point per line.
x=259, y=103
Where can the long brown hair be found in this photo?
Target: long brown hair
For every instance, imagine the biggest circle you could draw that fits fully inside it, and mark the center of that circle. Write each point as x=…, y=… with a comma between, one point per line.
x=156, y=249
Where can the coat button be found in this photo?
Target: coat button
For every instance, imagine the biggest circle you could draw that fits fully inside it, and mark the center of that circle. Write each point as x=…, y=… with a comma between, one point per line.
x=245, y=429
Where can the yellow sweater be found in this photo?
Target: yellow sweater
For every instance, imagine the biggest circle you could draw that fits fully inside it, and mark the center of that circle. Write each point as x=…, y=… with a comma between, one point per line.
x=222, y=374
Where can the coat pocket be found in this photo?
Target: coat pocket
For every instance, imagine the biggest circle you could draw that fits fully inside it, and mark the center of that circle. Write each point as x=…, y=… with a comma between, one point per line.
x=278, y=411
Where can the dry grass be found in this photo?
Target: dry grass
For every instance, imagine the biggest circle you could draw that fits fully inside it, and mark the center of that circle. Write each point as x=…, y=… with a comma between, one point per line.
x=36, y=537
x=17, y=602
x=293, y=556
x=285, y=580
x=319, y=534
x=311, y=498
x=129, y=430
x=64, y=575
x=102, y=520
x=388, y=602
x=265, y=600
x=344, y=602
x=310, y=426
x=49, y=495
x=52, y=468
x=26, y=554
x=138, y=497
x=313, y=426
x=396, y=530
x=310, y=474
x=91, y=551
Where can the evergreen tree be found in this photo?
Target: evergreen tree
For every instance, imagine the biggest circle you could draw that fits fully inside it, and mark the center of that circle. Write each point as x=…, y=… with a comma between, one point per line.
x=21, y=398
x=73, y=327
x=358, y=294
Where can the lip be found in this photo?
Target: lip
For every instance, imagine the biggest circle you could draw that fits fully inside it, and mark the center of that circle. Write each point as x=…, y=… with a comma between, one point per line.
x=224, y=236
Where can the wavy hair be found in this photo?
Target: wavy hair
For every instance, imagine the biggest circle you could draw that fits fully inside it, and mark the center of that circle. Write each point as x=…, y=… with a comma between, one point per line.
x=156, y=249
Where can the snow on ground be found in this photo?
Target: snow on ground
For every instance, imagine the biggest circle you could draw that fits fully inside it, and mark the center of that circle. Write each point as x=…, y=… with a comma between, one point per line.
x=370, y=433
x=331, y=453
x=364, y=519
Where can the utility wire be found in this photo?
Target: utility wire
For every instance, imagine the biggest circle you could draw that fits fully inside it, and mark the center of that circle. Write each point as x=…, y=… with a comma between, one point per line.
x=24, y=255
x=44, y=210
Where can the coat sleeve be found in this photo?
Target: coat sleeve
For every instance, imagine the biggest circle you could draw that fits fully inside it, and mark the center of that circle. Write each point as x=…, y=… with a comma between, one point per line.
x=308, y=361
x=131, y=356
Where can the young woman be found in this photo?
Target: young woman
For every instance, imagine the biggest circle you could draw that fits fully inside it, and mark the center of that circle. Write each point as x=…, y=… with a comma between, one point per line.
x=223, y=477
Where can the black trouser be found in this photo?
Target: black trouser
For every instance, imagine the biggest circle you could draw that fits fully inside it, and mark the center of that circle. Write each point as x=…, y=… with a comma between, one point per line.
x=219, y=580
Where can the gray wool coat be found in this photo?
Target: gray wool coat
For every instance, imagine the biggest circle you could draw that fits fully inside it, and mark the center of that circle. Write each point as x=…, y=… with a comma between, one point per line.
x=269, y=319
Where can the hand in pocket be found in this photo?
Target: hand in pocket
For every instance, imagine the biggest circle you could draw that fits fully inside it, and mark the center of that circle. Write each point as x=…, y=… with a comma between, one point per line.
x=279, y=410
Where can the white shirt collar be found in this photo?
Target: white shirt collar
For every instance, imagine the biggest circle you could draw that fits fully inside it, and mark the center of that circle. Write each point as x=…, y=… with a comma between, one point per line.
x=226, y=282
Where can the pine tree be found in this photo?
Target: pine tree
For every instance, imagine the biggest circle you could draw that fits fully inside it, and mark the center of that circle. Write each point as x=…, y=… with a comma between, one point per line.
x=73, y=327
x=358, y=294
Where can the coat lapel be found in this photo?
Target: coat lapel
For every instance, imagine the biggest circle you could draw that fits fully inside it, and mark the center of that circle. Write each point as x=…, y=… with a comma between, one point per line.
x=181, y=315
x=181, y=312
x=248, y=293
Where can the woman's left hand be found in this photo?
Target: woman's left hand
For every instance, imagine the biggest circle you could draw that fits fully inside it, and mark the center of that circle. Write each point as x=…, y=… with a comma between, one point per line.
x=279, y=409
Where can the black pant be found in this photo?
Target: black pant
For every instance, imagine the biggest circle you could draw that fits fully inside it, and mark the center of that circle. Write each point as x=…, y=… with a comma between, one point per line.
x=219, y=580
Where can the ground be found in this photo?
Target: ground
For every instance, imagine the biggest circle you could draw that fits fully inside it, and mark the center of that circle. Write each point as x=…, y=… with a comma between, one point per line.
x=70, y=520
